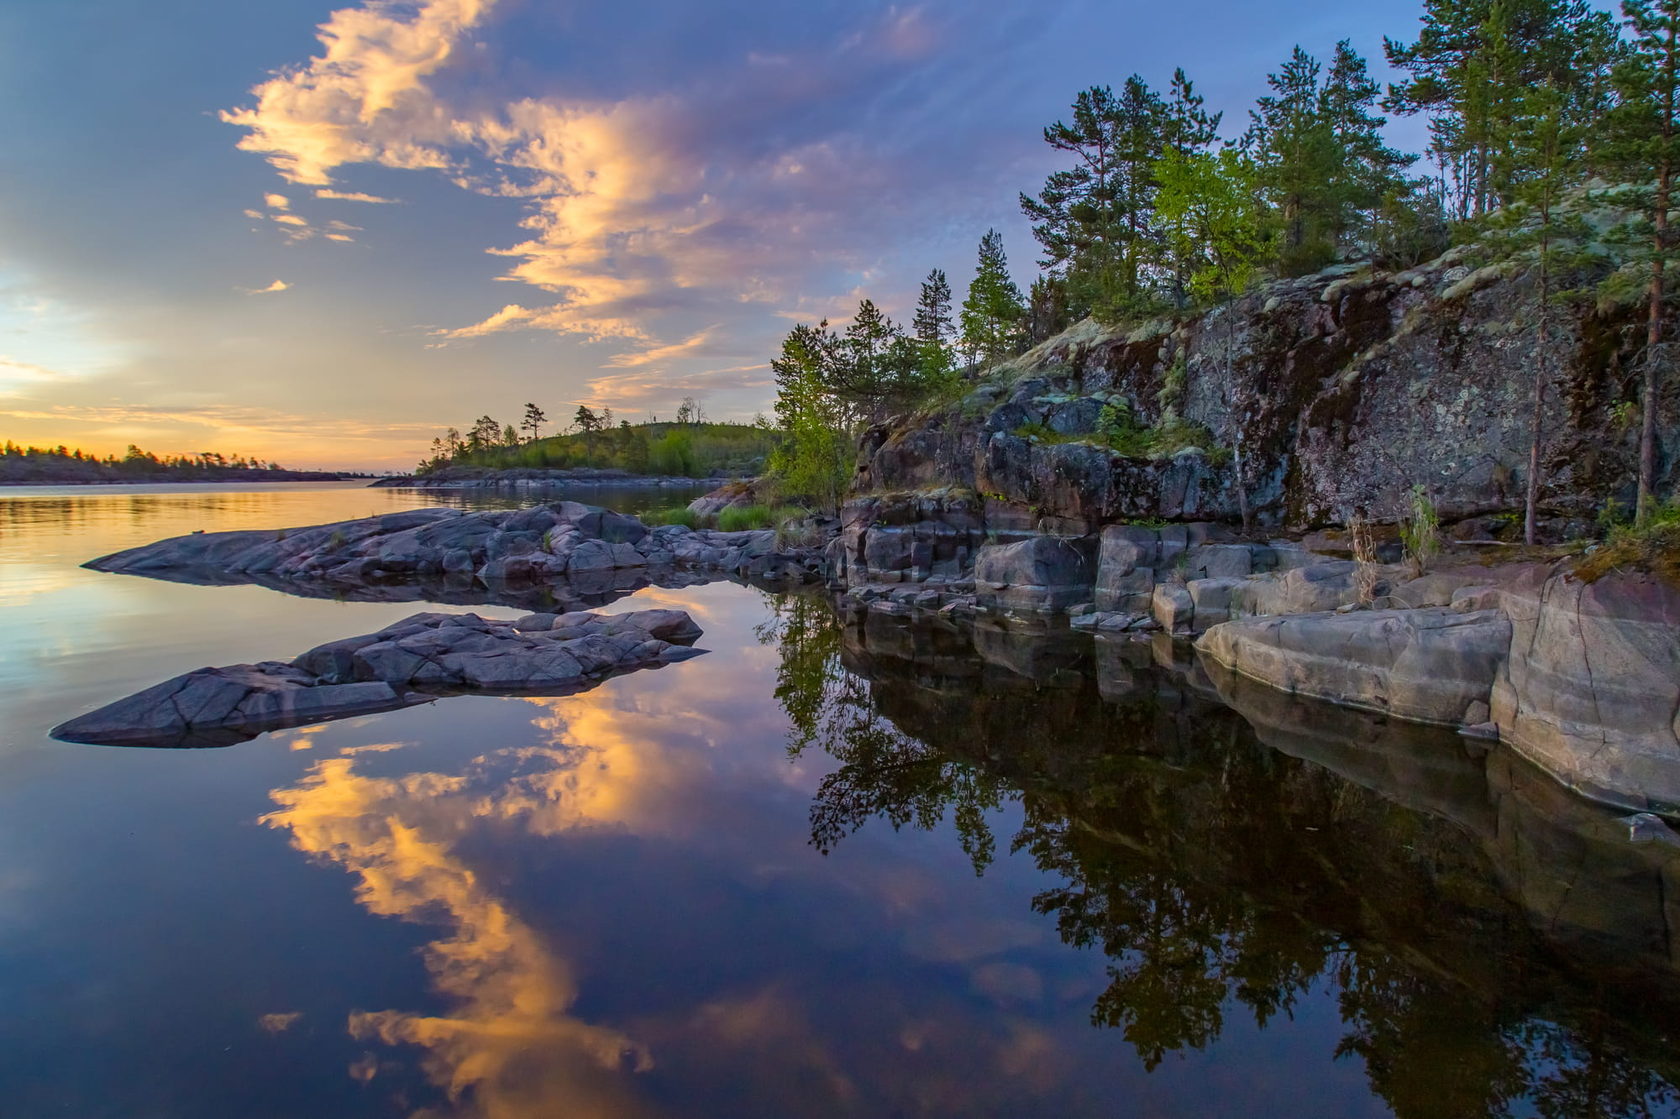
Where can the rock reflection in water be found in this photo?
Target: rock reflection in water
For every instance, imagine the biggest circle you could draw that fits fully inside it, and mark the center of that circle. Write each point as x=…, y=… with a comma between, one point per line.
x=1498, y=947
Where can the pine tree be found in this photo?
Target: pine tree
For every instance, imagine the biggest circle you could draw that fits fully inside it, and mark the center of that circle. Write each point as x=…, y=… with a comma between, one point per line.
x=534, y=419
x=934, y=330
x=1369, y=171
x=1093, y=219
x=1469, y=70
x=1537, y=229
x=933, y=311
x=1641, y=144
x=878, y=369
x=992, y=313
x=1321, y=157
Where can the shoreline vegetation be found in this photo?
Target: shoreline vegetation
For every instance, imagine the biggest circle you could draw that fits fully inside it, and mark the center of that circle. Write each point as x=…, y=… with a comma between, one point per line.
x=63, y=466
x=690, y=446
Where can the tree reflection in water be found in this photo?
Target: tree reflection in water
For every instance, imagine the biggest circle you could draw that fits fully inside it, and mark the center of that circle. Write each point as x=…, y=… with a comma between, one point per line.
x=1496, y=948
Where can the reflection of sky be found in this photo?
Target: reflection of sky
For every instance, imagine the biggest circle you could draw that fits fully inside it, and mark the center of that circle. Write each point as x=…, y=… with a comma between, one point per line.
x=604, y=904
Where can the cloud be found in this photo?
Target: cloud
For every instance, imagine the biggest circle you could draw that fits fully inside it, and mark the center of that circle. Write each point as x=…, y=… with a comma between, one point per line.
x=352, y=196
x=13, y=371
x=277, y=201
x=363, y=99
x=695, y=343
x=635, y=390
x=641, y=209
x=276, y=286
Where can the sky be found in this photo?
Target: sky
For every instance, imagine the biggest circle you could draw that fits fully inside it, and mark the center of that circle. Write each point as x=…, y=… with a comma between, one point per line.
x=320, y=233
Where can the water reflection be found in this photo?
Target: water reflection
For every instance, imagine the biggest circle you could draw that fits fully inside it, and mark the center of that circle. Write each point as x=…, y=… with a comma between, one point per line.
x=1496, y=947
x=509, y=1043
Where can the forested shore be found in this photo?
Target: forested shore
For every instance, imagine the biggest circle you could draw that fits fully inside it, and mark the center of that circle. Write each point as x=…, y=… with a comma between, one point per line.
x=61, y=465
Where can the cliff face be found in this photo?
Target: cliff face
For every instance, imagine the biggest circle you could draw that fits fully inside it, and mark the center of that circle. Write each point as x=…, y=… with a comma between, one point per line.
x=1324, y=395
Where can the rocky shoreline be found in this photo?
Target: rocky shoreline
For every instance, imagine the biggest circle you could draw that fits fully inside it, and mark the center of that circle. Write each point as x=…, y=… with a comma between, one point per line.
x=559, y=542
x=1100, y=477
x=1582, y=679
x=534, y=478
x=412, y=661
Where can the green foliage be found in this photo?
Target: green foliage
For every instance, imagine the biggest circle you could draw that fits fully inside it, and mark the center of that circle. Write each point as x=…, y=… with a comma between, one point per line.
x=695, y=450
x=1095, y=220
x=1420, y=530
x=993, y=314
x=737, y=518
x=1119, y=431
x=1652, y=544
x=62, y=464
x=1320, y=158
x=1468, y=71
x=1214, y=225
x=676, y=515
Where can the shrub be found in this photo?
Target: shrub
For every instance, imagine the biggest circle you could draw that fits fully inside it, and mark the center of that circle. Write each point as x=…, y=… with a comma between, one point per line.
x=1420, y=530
x=1364, y=557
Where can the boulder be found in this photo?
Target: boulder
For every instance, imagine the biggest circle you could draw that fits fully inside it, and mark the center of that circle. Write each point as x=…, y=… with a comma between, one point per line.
x=1591, y=690
x=1046, y=574
x=1430, y=666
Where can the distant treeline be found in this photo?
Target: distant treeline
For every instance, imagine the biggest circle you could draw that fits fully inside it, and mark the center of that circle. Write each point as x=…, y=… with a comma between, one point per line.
x=62, y=464
x=689, y=447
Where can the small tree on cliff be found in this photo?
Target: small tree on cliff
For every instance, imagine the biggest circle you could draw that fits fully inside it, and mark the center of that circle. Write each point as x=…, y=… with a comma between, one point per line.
x=534, y=419
x=1641, y=141
x=933, y=327
x=1536, y=229
x=1216, y=233
x=814, y=460
x=992, y=313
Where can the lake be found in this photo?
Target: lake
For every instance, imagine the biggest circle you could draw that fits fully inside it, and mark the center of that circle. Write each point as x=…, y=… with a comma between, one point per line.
x=838, y=866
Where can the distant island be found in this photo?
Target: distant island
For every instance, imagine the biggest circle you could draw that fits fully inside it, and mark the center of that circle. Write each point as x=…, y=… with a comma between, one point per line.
x=62, y=466
x=687, y=447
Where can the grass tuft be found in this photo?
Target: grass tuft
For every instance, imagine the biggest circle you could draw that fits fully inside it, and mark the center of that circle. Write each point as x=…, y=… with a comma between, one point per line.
x=675, y=515
x=1653, y=546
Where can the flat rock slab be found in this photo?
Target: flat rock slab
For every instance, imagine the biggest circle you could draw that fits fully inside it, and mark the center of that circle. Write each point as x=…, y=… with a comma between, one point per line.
x=413, y=661
x=1431, y=666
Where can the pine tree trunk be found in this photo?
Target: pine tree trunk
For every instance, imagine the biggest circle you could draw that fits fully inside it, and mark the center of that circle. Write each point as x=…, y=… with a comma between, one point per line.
x=1648, y=420
x=1532, y=498
x=1646, y=500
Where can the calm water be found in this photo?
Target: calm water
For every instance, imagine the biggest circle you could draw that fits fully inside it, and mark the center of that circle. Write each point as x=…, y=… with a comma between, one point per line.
x=830, y=869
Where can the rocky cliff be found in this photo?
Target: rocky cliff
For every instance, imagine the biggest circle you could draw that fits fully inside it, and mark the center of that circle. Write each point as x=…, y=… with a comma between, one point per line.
x=1305, y=400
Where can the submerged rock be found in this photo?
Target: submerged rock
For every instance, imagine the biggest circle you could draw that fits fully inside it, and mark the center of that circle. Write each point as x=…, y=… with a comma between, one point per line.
x=408, y=662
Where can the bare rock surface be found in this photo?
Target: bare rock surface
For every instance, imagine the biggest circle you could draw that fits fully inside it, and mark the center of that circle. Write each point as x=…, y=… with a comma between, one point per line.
x=558, y=541
x=1591, y=689
x=1429, y=666
x=411, y=661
